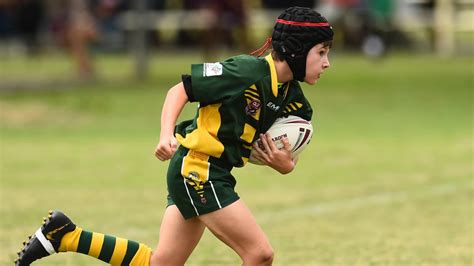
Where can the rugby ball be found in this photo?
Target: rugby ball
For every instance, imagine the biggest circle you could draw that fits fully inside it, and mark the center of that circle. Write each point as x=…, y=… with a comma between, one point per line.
x=297, y=130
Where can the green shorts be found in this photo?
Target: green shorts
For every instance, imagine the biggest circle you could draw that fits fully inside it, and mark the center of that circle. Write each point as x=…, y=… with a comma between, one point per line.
x=198, y=183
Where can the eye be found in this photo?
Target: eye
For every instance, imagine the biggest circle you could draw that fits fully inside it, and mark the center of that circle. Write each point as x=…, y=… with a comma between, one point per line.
x=322, y=52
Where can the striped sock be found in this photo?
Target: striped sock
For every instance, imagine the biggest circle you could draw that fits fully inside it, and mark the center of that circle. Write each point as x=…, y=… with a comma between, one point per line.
x=110, y=249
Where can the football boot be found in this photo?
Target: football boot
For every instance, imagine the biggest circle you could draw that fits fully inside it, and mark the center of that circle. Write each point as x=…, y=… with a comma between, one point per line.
x=46, y=240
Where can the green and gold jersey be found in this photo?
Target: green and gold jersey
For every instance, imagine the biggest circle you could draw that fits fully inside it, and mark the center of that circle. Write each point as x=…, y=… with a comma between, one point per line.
x=238, y=99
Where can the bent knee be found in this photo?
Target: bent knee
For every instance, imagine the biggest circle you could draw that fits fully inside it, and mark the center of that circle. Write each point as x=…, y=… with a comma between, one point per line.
x=266, y=256
x=262, y=256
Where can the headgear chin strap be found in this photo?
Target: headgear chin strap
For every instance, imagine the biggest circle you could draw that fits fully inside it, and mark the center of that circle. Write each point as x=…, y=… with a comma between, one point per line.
x=296, y=31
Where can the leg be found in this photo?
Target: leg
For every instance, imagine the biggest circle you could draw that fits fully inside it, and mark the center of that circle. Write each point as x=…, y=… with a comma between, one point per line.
x=235, y=226
x=178, y=238
x=60, y=234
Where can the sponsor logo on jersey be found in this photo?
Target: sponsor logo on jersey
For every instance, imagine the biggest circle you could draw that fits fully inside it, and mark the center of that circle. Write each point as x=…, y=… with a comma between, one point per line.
x=273, y=106
x=212, y=69
x=252, y=107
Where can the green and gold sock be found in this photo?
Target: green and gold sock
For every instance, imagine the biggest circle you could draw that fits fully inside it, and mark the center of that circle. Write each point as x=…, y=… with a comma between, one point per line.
x=110, y=249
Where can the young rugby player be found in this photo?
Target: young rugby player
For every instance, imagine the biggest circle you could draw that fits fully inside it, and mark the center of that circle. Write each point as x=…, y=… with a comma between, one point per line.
x=239, y=99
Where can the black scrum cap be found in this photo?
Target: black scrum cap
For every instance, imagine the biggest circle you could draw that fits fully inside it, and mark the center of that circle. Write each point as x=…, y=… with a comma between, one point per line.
x=296, y=31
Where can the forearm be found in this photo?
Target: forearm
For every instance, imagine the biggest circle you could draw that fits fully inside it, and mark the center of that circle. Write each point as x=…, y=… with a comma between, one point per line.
x=175, y=100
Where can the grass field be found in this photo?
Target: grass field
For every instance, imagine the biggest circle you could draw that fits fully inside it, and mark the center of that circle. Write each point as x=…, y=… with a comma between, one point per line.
x=387, y=180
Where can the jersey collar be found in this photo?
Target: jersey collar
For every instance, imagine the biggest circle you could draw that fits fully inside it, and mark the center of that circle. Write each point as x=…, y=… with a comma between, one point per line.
x=273, y=74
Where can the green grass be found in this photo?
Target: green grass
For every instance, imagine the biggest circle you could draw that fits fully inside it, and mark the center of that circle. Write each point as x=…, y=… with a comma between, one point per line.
x=387, y=180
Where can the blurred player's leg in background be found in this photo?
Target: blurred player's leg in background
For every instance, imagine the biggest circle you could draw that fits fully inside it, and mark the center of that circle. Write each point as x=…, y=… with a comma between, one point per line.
x=227, y=26
x=82, y=30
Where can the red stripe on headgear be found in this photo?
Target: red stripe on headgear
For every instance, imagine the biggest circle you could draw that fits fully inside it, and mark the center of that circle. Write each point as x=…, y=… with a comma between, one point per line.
x=306, y=24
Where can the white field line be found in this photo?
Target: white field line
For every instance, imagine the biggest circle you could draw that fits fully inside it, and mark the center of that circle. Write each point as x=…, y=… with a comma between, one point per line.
x=361, y=202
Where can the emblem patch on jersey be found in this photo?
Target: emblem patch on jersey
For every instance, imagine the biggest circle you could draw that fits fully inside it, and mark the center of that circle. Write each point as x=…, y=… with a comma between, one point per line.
x=193, y=180
x=252, y=107
x=212, y=69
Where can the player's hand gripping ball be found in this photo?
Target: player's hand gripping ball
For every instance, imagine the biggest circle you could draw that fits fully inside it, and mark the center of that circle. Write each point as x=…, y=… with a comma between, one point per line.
x=297, y=130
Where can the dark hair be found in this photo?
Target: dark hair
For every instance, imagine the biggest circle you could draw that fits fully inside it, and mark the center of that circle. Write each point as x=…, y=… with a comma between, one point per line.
x=327, y=44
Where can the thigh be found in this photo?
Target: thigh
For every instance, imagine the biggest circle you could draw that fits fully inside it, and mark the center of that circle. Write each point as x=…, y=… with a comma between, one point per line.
x=178, y=238
x=236, y=226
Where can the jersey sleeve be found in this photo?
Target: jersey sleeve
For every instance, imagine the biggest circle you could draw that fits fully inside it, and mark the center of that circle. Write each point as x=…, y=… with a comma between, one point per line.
x=297, y=104
x=215, y=82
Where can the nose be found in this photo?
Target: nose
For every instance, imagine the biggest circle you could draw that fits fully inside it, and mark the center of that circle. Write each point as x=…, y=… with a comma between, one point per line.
x=326, y=63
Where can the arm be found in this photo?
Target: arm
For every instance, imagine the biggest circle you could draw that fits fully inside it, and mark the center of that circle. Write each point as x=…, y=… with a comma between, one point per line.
x=172, y=107
x=280, y=160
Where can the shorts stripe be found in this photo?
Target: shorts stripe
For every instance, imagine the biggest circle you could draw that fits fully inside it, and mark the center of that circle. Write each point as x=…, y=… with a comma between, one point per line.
x=189, y=195
x=215, y=195
x=185, y=186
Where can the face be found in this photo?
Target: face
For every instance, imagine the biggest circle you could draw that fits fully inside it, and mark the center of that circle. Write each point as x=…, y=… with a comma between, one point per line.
x=316, y=62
